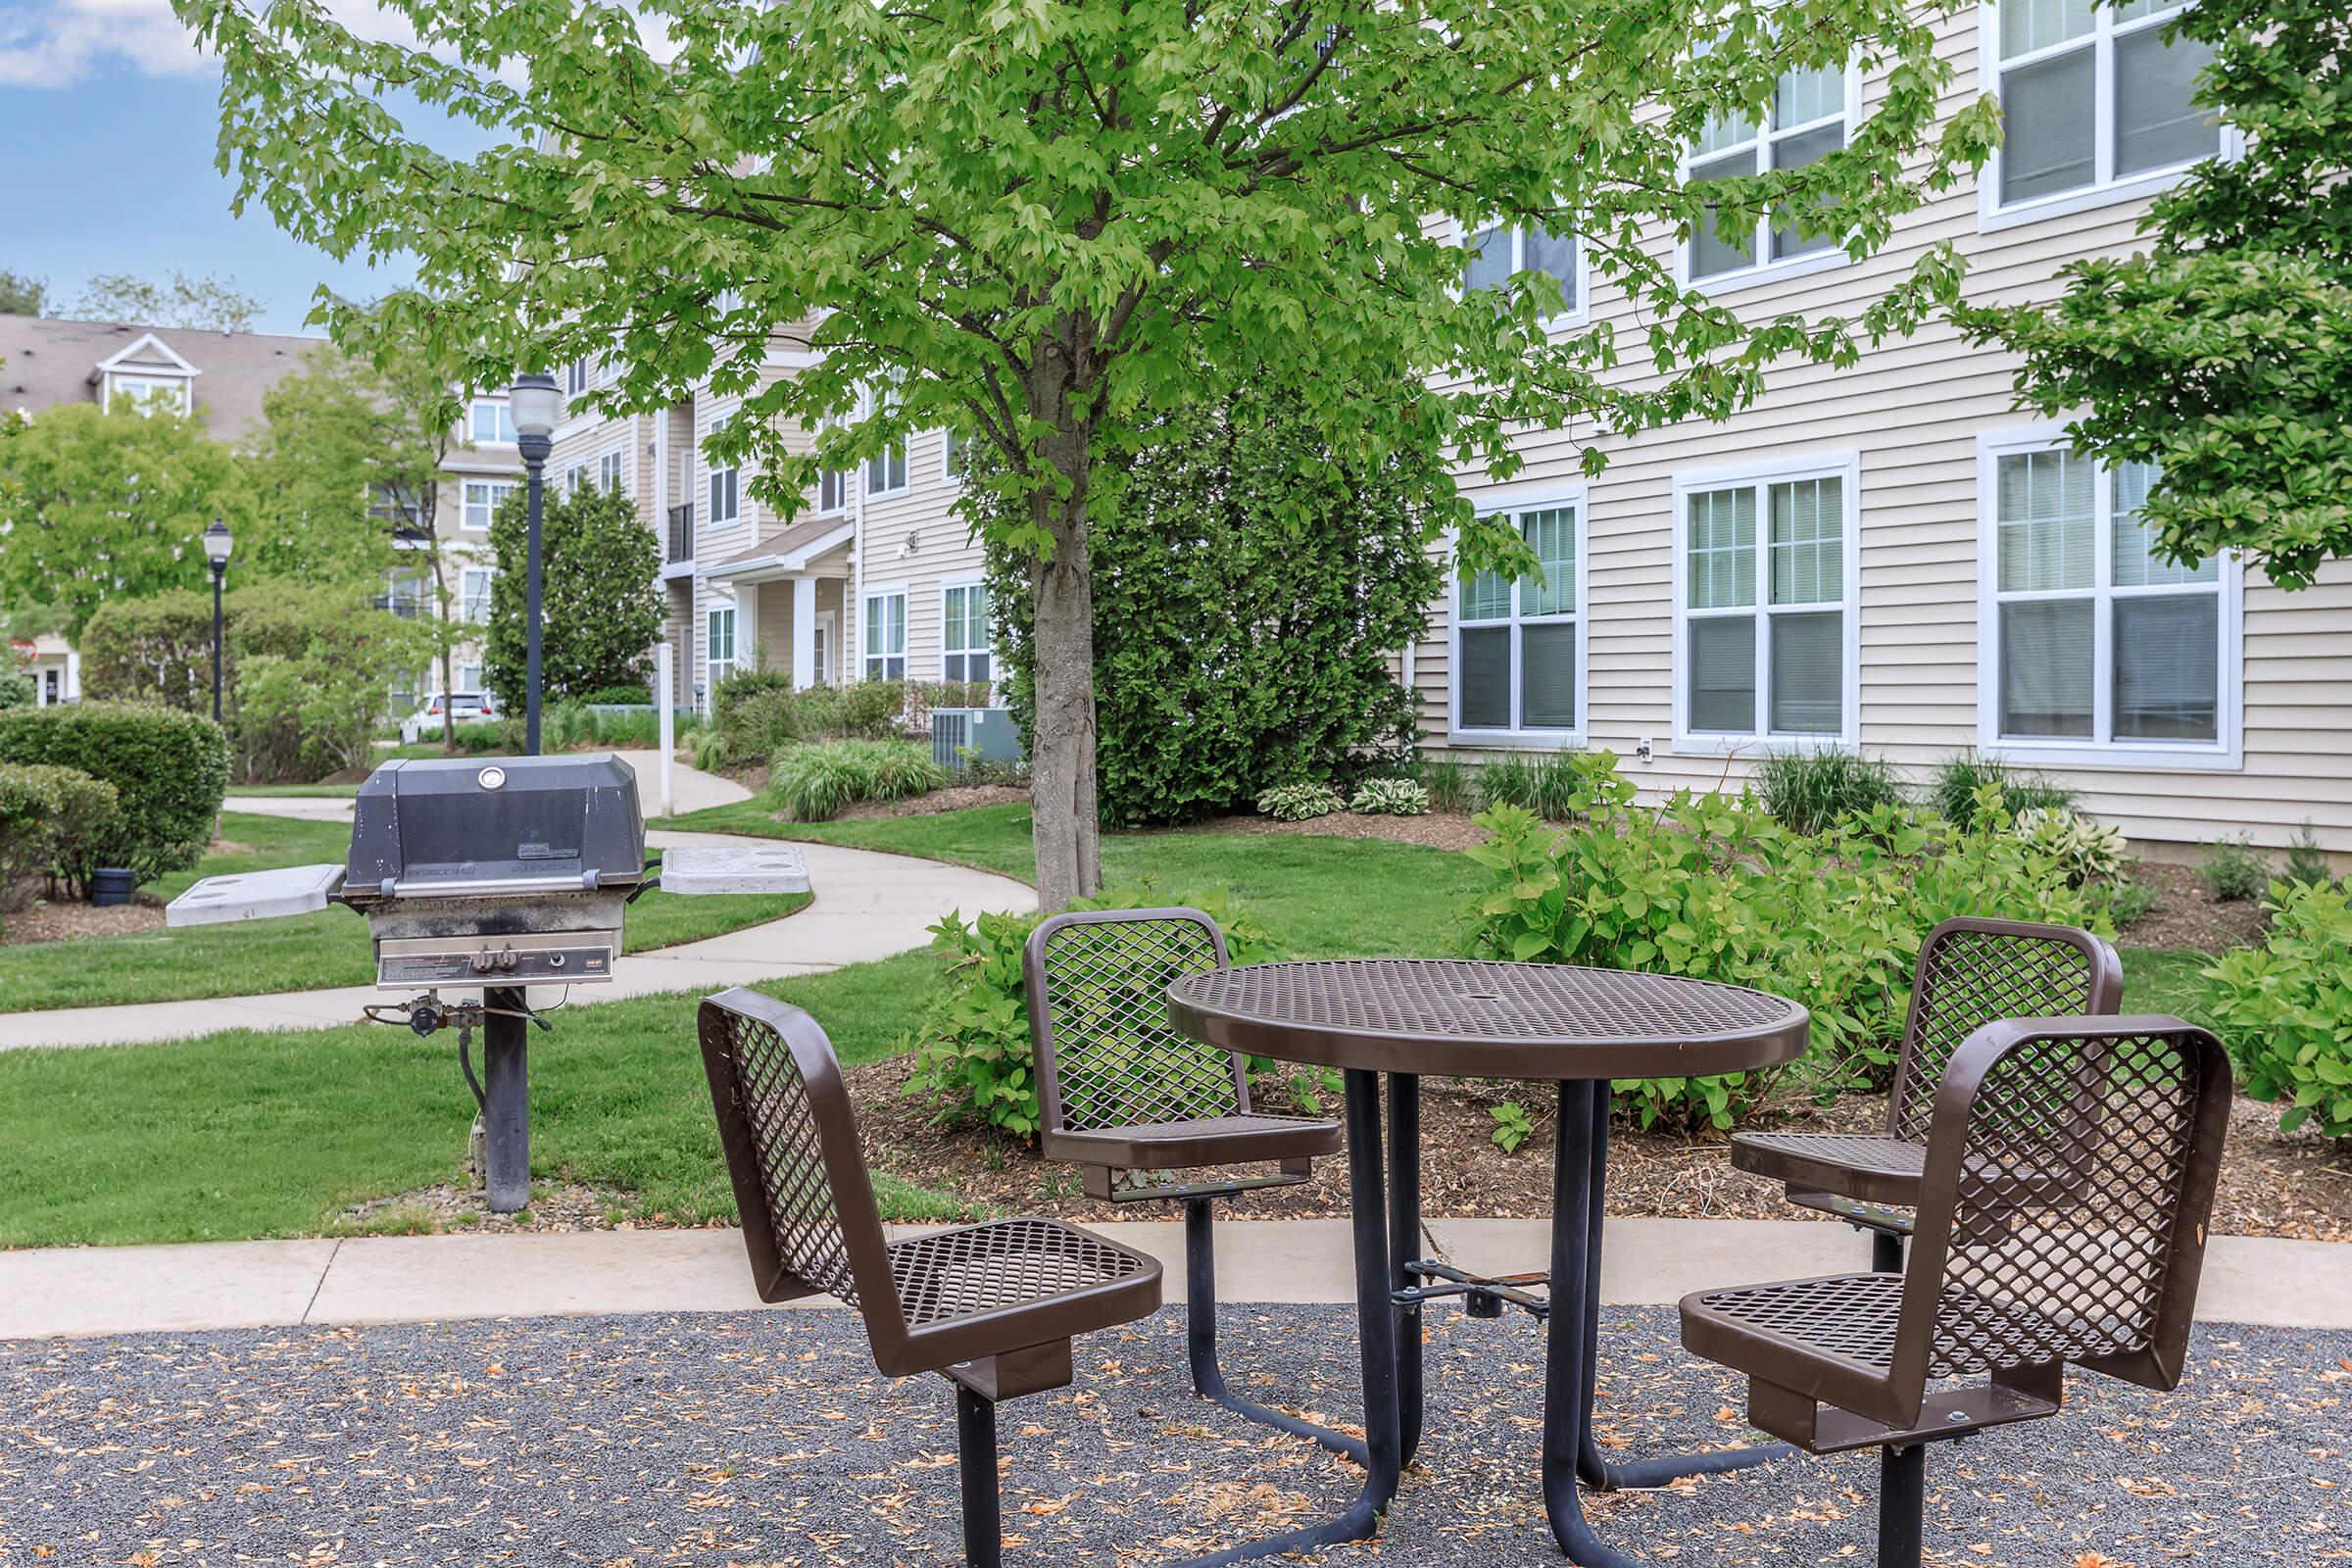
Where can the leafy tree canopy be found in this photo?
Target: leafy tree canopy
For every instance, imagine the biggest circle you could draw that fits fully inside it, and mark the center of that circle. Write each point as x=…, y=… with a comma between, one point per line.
x=601, y=601
x=96, y=505
x=22, y=294
x=2225, y=353
x=207, y=304
x=1045, y=223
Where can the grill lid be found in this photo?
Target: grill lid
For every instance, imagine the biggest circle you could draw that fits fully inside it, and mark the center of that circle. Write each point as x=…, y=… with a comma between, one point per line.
x=468, y=827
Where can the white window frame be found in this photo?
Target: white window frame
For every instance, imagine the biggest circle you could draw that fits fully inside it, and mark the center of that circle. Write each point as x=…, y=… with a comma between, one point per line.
x=989, y=646
x=139, y=385
x=866, y=657
x=875, y=470
x=1576, y=314
x=2105, y=189
x=714, y=668
x=470, y=678
x=465, y=576
x=1844, y=466
x=2225, y=753
x=1514, y=503
x=577, y=377
x=499, y=416
x=949, y=474
x=578, y=476
x=495, y=493
x=612, y=469
x=732, y=475
x=1761, y=267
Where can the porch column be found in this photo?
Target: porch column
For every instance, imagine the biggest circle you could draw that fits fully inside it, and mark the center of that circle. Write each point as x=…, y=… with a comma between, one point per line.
x=803, y=631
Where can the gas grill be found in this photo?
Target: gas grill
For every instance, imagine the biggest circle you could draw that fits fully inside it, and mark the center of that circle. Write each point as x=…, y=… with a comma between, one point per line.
x=502, y=873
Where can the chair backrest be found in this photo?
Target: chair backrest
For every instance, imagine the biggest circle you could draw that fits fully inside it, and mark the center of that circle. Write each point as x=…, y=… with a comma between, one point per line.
x=2063, y=1210
x=809, y=1220
x=1971, y=973
x=1096, y=985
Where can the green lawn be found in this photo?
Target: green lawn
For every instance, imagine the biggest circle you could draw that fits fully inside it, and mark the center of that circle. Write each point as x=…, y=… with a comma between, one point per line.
x=244, y=1135
x=307, y=791
x=299, y=953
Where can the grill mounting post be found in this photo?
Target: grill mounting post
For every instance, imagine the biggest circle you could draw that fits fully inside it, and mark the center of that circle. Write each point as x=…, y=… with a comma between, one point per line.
x=505, y=1100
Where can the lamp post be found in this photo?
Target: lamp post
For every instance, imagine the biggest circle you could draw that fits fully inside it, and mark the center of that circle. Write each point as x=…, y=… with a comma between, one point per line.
x=217, y=545
x=534, y=401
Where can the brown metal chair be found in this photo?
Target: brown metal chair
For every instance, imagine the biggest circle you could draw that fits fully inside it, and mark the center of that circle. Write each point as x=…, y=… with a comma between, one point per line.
x=2070, y=1173
x=1970, y=973
x=1128, y=1098
x=992, y=1307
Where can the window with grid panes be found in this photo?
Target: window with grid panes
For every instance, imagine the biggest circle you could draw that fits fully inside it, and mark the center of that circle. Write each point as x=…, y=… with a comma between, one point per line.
x=2095, y=95
x=493, y=423
x=725, y=502
x=613, y=470
x=884, y=652
x=1766, y=601
x=1806, y=123
x=2097, y=638
x=1500, y=250
x=473, y=595
x=482, y=499
x=964, y=638
x=1516, y=669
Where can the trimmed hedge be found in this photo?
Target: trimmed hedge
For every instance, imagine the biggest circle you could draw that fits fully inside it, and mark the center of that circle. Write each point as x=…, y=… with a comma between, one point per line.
x=170, y=770
x=44, y=810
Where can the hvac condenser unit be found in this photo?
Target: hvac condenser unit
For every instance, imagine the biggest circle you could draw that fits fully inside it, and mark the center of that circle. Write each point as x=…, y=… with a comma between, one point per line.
x=963, y=734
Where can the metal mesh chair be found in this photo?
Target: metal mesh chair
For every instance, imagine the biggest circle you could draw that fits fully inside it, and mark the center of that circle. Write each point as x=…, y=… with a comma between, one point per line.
x=1970, y=973
x=992, y=1307
x=1129, y=1100
x=2069, y=1176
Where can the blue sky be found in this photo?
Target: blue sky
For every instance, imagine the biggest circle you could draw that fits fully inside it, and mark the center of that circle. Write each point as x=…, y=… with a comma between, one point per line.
x=110, y=119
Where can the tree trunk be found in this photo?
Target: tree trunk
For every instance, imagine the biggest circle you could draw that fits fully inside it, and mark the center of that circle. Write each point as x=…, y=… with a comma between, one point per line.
x=1064, y=822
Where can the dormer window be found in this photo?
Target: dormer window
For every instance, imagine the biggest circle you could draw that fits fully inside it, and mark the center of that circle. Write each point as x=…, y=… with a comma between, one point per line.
x=146, y=394
x=148, y=375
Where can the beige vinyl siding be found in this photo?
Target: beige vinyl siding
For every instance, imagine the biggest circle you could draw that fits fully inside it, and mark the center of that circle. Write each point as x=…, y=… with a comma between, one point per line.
x=915, y=538
x=1913, y=412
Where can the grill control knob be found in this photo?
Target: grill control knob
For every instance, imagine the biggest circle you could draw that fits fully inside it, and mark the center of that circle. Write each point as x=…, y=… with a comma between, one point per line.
x=506, y=959
x=481, y=961
x=555, y=960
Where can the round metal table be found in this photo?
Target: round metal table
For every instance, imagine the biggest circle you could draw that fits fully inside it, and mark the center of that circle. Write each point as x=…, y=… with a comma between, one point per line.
x=1577, y=1028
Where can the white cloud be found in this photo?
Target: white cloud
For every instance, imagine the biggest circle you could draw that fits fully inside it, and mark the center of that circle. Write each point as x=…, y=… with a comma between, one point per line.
x=57, y=43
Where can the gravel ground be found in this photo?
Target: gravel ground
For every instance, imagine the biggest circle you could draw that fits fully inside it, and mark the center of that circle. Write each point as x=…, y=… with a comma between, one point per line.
x=762, y=1440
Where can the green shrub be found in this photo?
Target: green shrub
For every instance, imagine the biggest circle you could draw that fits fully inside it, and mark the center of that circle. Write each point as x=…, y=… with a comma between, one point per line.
x=759, y=713
x=2285, y=1008
x=1512, y=1126
x=2130, y=902
x=1391, y=796
x=1960, y=783
x=813, y=783
x=1451, y=784
x=972, y=1050
x=2085, y=849
x=1250, y=586
x=1715, y=887
x=1299, y=803
x=1810, y=791
x=713, y=753
x=16, y=686
x=619, y=696
x=1507, y=780
x=44, y=812
x=2231, y=871
x=170, y=770
x=604, y=602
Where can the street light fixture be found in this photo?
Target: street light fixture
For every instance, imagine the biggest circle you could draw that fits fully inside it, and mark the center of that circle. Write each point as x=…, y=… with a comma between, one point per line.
x=217, y=545
x=534, y=402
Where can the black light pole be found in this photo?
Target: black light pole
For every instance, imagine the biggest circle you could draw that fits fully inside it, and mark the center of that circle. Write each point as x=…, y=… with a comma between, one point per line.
x=534, y=402
x=217, y=543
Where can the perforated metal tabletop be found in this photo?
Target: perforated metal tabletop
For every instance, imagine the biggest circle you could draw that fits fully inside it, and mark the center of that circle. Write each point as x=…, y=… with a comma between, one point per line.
x=1534, y=1021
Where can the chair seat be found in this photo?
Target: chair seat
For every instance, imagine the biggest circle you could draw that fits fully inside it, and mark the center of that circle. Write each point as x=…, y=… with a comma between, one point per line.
x=1034, y=1279
x=1870, y=1166
x=1847, y=1322
x=1206, y=1141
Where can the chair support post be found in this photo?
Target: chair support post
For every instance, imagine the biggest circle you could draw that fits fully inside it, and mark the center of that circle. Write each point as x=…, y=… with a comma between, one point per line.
x=1903, y=1504
x=1886, y=1253
x=1200, y=1338
x=976, y=1459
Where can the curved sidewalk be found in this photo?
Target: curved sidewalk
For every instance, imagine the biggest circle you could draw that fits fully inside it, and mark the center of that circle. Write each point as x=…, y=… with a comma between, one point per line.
x=868, y=905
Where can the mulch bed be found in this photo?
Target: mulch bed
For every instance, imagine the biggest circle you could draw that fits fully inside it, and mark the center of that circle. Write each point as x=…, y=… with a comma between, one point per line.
x=2273, y=1184
x=2185, y=915
x=956, y=797
x=44, y=921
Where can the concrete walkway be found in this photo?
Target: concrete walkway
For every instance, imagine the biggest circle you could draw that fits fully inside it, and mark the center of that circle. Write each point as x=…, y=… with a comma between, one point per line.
x=121, y=1290
x=868, y=905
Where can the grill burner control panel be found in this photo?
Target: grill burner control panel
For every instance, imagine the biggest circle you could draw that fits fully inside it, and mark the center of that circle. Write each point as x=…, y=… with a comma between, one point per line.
x=565, y=957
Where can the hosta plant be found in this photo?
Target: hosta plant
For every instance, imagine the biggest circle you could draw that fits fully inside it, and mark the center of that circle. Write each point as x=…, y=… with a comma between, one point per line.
x=2087, y=849
x=1299, y=803
x=1391, y=796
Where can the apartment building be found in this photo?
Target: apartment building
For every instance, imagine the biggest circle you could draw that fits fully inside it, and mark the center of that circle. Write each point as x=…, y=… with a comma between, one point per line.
x=1887, y=556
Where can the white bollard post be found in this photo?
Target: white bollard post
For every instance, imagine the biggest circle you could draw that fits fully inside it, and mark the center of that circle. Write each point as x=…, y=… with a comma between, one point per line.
x=666, y=689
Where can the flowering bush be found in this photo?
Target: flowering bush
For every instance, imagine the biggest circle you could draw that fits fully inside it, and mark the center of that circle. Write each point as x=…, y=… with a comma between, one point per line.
x=1715, y=887
x=1299, y=803
x=2087, y=849
x=1391, y=796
